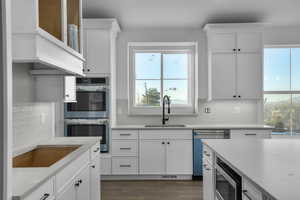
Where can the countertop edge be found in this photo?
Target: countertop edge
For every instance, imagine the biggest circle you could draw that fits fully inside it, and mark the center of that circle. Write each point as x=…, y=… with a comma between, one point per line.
x=74, y=155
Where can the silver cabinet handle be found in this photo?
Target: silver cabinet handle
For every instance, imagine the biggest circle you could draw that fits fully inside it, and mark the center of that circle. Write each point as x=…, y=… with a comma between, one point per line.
x=125, y=148
x=250, y=134
x=45, y=196
x=205, y=152
x=247, y=195
x=125, y=134
x=125, y=165
x=96, y=149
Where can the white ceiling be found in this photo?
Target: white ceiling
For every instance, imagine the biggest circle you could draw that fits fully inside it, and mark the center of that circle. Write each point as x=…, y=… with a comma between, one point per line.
x=193, y=13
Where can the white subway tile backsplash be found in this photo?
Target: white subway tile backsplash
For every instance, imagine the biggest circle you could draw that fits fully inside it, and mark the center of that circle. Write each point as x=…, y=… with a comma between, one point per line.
x=32, y=122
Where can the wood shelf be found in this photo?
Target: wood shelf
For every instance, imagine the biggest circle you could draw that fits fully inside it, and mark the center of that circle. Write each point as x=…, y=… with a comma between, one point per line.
x=50, y=17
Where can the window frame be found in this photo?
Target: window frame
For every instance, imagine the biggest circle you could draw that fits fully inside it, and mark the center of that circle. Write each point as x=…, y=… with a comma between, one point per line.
x=288, y=92
x=168, y=48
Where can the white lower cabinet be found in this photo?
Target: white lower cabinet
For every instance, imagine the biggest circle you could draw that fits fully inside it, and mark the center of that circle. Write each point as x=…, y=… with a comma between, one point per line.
x=179, y=157
x=78, y=188
x=166, y=153
x=95, y=179
x=124, y=165
x=152, y=156
x=208, y=181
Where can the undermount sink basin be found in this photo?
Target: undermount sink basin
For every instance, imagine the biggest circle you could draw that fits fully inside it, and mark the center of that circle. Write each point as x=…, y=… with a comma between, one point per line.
x=43, y=156
x=166, y=125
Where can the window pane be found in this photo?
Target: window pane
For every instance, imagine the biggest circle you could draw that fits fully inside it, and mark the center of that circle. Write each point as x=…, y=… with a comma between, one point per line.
x=295, y=65
x=147, y=93
x=276, y=69
x=175, y=66
x=277, y=112
x=147, y=65
x=295, y=112
x=177, y=90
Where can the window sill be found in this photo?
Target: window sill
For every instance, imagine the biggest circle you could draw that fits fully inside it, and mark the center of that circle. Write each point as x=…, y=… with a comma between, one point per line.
x=152, y=111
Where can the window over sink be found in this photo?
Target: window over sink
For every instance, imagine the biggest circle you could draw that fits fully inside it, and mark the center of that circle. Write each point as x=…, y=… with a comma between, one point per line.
x=282, y=89
x=159, y=69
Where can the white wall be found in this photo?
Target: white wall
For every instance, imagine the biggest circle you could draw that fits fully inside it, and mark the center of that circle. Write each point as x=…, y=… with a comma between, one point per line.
x=226, y=112
x=23, y=84
x=32, y=122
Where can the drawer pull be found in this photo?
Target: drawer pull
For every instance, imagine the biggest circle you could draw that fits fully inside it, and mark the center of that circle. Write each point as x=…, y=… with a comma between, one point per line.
x=247, y=195
x=96, y=150
x=250, y=134
x=125, y=165
x=207, y=154
x=93, y=166
x=45, y=196
x=125, y=148
x=125, y=134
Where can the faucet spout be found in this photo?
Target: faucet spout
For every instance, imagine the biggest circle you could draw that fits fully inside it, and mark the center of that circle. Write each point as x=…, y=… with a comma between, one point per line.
x=166, y=99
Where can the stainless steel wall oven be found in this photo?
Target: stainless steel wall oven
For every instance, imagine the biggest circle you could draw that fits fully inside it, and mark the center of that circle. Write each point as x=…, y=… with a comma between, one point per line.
x=92, y=96
x=89, y=128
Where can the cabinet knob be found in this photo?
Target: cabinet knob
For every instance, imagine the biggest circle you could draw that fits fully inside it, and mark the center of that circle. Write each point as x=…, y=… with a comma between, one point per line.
x=239, y=96
x=239, y=49
x=168, y=143
x=93, y=166
x=45, y=196
x=88, y=70
x=83, y=70
x=67, y=95
x=234, y=96
x=163, y=142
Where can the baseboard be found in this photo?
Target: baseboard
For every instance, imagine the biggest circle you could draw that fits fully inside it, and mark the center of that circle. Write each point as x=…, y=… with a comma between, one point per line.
x=146, y=177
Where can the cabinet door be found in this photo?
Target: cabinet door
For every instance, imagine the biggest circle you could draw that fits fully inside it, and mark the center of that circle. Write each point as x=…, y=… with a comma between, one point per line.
x=223, y=42
x=152, y=157
x=249, y=42
x=83, y=190
x=70, y=88
x=68, y=193
x=97, y=52
x=249, y=75
x=223, y=77
x=208, y=181
x=95, y=178
x=179, y=157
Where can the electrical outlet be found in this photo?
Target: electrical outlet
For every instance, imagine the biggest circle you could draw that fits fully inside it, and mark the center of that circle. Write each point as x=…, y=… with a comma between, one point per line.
x=43, y=118
x=207, y=110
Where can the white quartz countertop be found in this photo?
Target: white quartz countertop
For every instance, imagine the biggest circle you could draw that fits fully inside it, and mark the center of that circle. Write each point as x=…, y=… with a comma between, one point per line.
x=191, y=126
x=272, y=164
x=25, y=180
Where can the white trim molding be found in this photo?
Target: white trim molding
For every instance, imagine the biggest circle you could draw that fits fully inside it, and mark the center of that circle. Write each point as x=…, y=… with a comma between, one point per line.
x=168, y=47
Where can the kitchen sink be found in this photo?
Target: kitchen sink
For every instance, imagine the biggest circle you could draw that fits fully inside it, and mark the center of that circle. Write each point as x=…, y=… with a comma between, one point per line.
x=43, y=155
x=166, y=125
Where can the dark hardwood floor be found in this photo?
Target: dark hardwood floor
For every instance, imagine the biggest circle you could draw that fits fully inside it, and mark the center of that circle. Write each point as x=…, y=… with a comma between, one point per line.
x=151, y=190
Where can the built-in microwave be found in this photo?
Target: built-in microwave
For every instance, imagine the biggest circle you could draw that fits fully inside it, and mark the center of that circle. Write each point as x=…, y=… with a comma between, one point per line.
x=228, y=182
x=92, y=99
x=89, y=128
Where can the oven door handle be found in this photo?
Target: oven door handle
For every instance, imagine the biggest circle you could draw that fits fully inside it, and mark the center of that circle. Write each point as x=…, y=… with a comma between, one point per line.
x=226, y=176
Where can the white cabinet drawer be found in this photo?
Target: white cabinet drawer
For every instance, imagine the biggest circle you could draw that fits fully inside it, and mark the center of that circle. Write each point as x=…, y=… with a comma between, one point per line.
x=124, y=166
x=250, y=192
x=207, y=154
x=95, y=150
x=124, y=148
x=166, y=134
x=105, y=167
x=45, y=191
x=125, y=134
x=69, y=172
x=253, y=133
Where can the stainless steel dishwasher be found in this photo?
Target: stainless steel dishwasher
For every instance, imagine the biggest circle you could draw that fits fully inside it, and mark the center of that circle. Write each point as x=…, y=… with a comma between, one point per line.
x=198, y=135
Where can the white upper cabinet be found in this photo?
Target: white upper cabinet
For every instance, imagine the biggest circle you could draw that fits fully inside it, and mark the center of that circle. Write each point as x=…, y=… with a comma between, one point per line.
x=223, y=42
x=70, y=88
x=48, y=32
x=235, y=64
x=99, y=45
